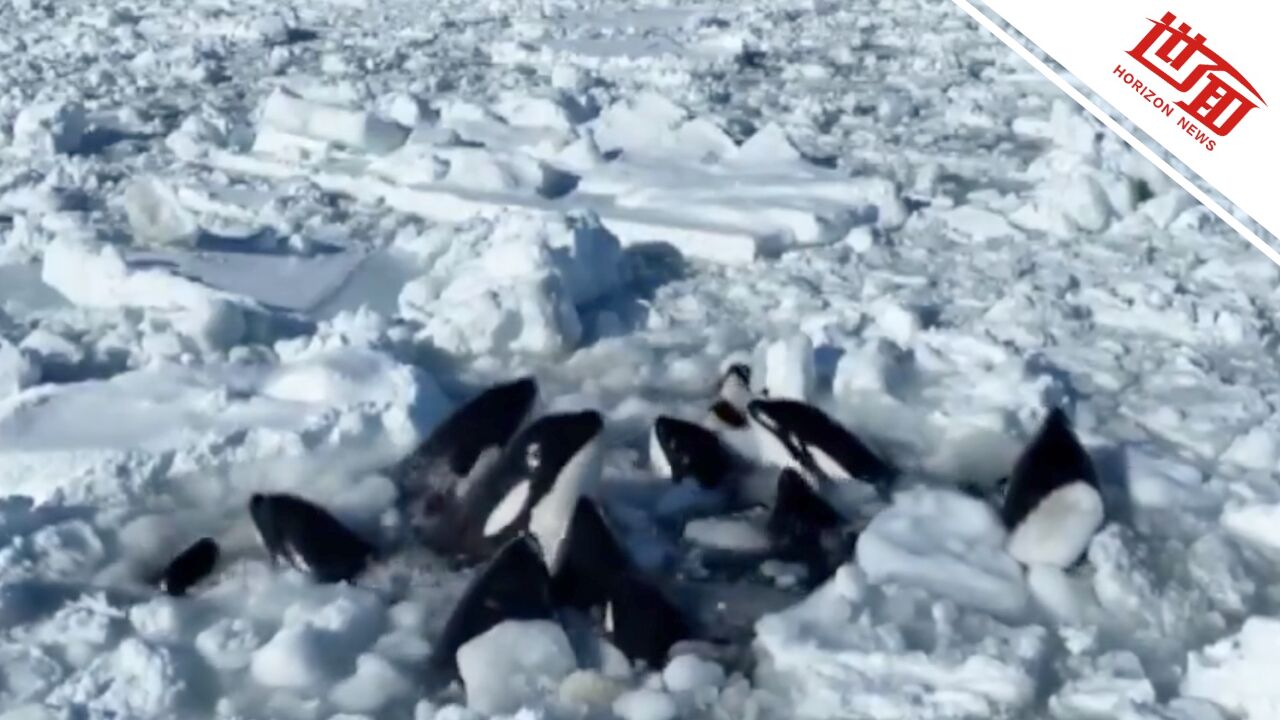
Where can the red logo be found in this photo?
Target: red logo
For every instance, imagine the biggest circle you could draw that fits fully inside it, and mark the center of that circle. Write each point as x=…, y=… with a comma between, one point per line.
x=1214, y=92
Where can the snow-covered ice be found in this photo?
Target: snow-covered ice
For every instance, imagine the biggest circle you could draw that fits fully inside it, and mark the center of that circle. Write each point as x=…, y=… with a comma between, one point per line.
x=285, y=112
x=852, y=649
x=156, y=215
x=690, y=673
x=646, y=704
x=949, y=543
x=514, y=664
x=1233, y=672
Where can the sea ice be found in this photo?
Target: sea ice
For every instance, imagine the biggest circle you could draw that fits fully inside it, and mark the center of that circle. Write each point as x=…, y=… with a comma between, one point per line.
x=851, y=650
x=513, y=664
x=156, y=216
x=50, y=127
x=927, y=536
x=1235, y=672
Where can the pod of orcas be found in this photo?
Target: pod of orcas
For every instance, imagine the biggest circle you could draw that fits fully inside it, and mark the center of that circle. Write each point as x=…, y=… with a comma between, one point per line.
x=493, y=486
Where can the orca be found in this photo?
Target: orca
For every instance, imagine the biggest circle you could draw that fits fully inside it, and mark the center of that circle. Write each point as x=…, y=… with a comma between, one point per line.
x=592, y=559
x=805, y=528
x=513, y=585
x=1053, y=505
x=596, y=573
x=691, y=451
x=642, y=621
x=727, y=416
x=533, y=486
x=307, y=537
x=802, y=436
x=189, y=567
x=465, y=444
x=729, y=411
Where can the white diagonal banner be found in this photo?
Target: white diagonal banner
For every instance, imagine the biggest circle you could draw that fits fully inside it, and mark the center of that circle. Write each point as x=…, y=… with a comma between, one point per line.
x=1201, y=79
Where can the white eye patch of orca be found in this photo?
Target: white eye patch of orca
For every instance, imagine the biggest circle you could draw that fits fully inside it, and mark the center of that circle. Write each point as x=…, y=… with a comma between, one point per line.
x=608, y=617
x=1058, y=529
x=549, y=521
x=507, y=509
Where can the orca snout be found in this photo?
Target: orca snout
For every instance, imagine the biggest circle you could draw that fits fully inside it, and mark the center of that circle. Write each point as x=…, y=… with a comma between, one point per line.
x=518, y=395
x=684, y=444
x=669, y=430
x=576, y=429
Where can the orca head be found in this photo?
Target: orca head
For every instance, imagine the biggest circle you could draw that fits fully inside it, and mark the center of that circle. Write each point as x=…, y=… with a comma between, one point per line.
x=692, y=451
x=732, y=395
x=556, y=445
x=799, y=510
x=1056, y=443
x=1053, y=458
x=643, y=622
x=262, y=512
x=258, y=503
x=554, y=461
x=805, y=528
x=502, y=410
x=801, y=435
x=735, y=384
x=189, y=567
x=779, y=426
x=489, y=420
x=308, y=537
x=513, y=585
x=593, y=558
x=785, y=417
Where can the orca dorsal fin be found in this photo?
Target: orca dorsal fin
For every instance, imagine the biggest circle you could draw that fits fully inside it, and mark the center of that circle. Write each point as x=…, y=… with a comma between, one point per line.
x=1053, y=504
x=513, y=585
x=799, y=509
x=593, y=558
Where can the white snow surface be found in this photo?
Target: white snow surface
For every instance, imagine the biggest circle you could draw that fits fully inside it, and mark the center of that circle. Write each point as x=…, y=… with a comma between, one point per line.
x=853, y=650
x=947, y=542
x=268, y=246
x=1231, y=672
x=515, y=664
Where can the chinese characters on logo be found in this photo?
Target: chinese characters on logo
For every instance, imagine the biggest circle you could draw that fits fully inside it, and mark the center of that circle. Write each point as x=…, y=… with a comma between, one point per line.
x=1215, y=93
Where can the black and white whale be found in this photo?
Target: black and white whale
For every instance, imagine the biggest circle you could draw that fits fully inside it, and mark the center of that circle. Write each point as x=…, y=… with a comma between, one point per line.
x=1052, y=506
x=729, y=411
x=642, y=620
x=190, y=567
x=534, y=485
x=307, y=537
x=513, y=585
x=708, y=476
x=804, y=437
x=726, y=418
x=692, y=452
x=805, y=528
x=597, y=574
x=467, y=443
x=593, y=556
